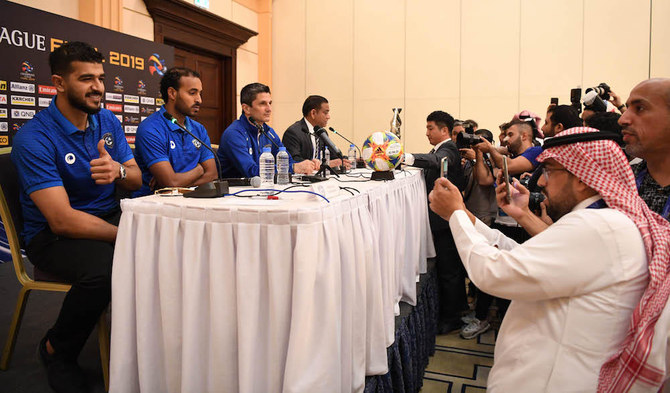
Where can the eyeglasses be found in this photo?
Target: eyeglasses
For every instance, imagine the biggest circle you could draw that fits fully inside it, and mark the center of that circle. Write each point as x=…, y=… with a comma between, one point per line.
x=546, y=171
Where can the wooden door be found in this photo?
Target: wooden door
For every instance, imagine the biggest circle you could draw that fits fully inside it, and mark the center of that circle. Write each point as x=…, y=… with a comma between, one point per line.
x=210, y=68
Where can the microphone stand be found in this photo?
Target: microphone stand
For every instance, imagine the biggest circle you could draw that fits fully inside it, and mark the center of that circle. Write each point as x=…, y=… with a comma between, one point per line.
x=358, y=163
x=213, y=189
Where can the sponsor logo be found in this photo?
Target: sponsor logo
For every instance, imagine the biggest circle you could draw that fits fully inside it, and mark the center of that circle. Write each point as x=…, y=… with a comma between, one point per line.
x=141, y=87
x=3, y=126
x=4, y=140
x=48, y=90
x=23, y=100
x=159, y=101
x=130, y=139
x=109, y=139
x=22, y=87
x=196, y=144
x=120, y=118
x=118, y=84
x=3, y=113
x=130, y=129
x=131, y=108
x=16, y=127
x=22, y=39
x=172, y=145
x=3, y=98
x=141, y=118
x=70, y=158
x=114, y=97
x=115, y=107
x=131, y=99
x=146, y=110
x=3, y=85
x=132, y=119
x=147, y=100
x=27, y=71
x=156, y=65
x=44, y=102
x=22, y=113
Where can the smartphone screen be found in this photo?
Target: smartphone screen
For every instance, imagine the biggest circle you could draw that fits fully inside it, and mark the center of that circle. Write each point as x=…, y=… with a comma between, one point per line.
x=444, y=166
x=506, y=180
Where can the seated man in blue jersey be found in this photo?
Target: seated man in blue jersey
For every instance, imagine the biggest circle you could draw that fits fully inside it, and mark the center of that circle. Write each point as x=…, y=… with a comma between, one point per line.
x=242, y=142
x=70, y=158
x=167, y=156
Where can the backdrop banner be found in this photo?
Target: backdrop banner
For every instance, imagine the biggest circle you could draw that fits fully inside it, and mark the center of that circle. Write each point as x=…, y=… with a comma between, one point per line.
x=133, y=67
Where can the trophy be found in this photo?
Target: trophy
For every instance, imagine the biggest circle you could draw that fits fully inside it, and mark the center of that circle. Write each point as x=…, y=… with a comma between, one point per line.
x=396, y=122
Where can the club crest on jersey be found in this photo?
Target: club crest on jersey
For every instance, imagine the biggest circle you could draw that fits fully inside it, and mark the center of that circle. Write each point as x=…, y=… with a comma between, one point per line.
x=109, y=139
x=196, y=144
x=70, y=158
x=172, y=145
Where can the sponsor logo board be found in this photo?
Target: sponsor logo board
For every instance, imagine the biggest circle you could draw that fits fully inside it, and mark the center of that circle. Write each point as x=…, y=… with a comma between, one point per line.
x=4, y=140
x=115, y=107
x=3, y=98
x=3, y=113
x=114, y=97
x=3, y=126
x=130, y=139
x=23, y=100
x=120, y=118
x=22, y=113
x=3, y=85
x=44, y=102
x=131, y=99
x=131, y=108
x=130, y=129
x=48, y=90
x=147, y=100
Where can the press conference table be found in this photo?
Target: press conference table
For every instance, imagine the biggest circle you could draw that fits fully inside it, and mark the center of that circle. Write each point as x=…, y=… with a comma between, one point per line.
x=290, y=295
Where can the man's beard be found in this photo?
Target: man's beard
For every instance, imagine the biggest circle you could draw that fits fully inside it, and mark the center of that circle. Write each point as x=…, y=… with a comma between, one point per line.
x=564, y=205
x=80, y=104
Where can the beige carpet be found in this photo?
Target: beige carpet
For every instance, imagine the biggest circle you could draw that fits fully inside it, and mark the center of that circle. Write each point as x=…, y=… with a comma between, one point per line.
x=460, y=366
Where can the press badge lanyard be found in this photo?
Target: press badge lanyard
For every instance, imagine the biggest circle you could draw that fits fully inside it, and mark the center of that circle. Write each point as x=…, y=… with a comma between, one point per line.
x=638, y=182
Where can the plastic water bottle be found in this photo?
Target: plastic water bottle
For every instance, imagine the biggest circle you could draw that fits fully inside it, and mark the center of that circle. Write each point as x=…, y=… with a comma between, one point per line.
x=327, y=156
x=352, y=156
x=266, y=169
x=282, y=166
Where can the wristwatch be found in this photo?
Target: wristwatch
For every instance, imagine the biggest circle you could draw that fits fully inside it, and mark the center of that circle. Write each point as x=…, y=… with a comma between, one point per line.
x=122, y=171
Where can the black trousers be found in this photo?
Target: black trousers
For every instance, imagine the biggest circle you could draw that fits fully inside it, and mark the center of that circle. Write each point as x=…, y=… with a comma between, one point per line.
x=450, y=277
x=87, y=265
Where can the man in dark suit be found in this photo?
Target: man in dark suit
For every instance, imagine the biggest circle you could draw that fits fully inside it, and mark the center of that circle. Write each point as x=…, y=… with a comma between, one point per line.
x=450, y=270
x=299, y=138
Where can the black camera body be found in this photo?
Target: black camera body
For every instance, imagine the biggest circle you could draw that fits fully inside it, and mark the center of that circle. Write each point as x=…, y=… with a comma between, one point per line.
x=466, y=140
x=536, y=196
x=603, y=90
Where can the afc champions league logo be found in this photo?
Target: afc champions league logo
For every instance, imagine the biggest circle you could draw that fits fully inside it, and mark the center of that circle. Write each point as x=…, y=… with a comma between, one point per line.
x=109, y=139
x=196, y=144
x=70, y=158
x=156, y=65
x=172, y=145
x=27, y=71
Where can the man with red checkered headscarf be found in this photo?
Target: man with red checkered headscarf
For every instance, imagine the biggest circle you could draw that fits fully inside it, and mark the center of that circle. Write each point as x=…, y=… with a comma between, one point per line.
x=589, y=291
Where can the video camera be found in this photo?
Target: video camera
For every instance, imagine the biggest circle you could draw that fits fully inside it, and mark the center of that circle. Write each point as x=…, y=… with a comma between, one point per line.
x=603, y=91
x=536, y=196
x=466, y=140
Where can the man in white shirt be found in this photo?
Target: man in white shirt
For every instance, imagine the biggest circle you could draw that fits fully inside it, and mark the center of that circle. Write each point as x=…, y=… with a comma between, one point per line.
x=578, y=285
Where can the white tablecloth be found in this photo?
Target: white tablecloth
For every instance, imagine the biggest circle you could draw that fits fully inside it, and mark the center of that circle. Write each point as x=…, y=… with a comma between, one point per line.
x=235, y=294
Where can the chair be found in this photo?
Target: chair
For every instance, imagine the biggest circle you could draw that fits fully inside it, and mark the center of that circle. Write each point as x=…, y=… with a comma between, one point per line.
x=10, y=213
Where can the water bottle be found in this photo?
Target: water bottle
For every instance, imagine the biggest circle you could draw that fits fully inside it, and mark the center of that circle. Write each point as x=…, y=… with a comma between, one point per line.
x=266, y=169
x=282, y=166
x=327, y=156
x=352, y=156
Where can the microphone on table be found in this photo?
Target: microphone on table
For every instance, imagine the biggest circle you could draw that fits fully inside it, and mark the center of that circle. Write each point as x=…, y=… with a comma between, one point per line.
x=360, y=153
x=254, y=182
x=323, y=134
x=262, y=131
x=213, y=189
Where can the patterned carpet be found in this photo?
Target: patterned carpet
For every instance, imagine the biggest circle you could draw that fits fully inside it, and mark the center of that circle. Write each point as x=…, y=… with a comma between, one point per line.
x=460, y=366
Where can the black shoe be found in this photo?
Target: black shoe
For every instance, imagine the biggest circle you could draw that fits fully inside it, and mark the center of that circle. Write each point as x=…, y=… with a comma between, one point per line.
x=64, y=376
x=449, y=326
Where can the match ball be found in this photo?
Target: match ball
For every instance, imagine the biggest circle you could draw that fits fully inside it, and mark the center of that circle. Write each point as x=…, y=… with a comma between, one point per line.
x=382, y=151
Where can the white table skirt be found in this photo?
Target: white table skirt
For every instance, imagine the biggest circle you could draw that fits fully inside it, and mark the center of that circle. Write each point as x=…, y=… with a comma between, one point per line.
x=295, y=295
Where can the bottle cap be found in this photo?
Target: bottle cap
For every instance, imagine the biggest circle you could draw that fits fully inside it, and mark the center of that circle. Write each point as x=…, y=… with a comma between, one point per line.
x=267, y=150
x=352, y=145
x=282, y=148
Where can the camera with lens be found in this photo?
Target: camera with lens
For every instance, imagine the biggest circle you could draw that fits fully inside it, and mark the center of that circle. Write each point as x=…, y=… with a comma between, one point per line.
x=603, y=91
x=536, y=196
x=466, y=140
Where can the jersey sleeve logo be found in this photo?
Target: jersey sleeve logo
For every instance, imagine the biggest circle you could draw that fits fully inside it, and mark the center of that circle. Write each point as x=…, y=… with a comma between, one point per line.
x=196, y=144
x=109, y=139
x=70, y=158
x=172, y=145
